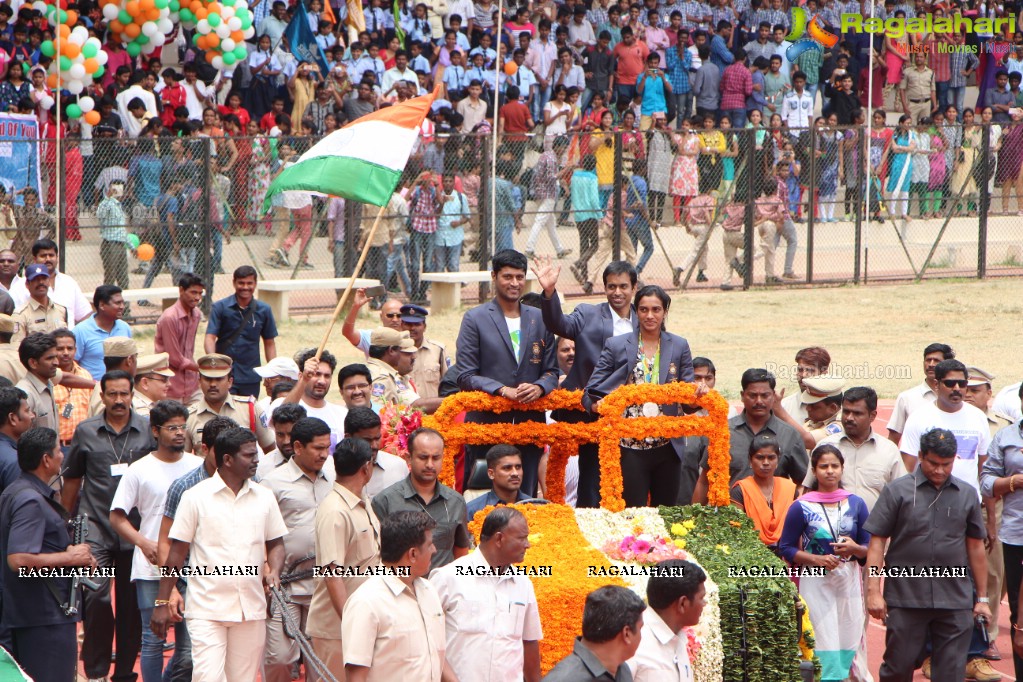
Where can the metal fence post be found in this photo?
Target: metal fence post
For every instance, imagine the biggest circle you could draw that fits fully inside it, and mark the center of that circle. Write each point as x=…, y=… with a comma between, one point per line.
x=812, y=203
x=858, y=207
x=985, y=202
x=60, y=220
x=207, y=195
x=616, y=198
x=751, y=197
x=353, y=229
x=486, y=196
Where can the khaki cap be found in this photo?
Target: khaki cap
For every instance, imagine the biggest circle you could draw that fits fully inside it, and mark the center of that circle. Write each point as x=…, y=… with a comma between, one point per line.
x=215, y=365
x=119, y=347
x=385, y=336
x=978, y=377
x=158, y=363
x=7, y=324
x=820, y=387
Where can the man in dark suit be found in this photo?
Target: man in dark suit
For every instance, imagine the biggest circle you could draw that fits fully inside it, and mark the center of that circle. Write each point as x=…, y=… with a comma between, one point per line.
x=504, y=349
x=590, y=326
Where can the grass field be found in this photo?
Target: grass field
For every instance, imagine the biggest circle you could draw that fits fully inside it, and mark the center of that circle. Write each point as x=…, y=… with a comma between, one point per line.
x=875, y=334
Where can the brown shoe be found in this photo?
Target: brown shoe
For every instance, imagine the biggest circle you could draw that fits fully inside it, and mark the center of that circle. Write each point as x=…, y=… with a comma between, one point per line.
x=926, y=667
x=980, y=669
x=992, y=654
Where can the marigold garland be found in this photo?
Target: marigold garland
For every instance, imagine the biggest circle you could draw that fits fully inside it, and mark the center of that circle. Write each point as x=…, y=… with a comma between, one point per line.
x=607, y=431
x=556, y=541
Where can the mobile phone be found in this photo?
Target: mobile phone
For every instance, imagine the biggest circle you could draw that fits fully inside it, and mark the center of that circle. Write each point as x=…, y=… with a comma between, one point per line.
x=373, y=292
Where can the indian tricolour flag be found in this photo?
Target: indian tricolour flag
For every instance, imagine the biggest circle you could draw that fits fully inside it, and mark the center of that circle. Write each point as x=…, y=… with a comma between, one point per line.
x=362, y=161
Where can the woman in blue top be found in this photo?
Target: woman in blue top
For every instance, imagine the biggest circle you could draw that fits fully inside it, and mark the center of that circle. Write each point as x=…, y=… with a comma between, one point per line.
x=824, y=529
x=900, y=176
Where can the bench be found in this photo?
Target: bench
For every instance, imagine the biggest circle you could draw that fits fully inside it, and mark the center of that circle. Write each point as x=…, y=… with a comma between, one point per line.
x=274, y=292
x=446, y=287
x=167, y=296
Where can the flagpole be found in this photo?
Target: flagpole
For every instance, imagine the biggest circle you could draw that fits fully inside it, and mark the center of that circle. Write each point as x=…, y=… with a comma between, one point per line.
x=58, y=157
x=869, y=122
x=493, y=147
x=351, y=281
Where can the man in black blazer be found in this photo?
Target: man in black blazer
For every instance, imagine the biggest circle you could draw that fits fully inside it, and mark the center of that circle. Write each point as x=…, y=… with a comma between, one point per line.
x=504, y=349
x=589, y=326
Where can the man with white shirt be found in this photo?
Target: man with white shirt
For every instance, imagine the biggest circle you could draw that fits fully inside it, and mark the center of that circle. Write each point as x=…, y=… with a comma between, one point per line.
x=388, y=469
x=399, y=73
x=63, y=288
x=918, y=396
x=144, y=487
x=675, y=599
x=797, y=106
x=492, y=619
x=274, y=372
x=197, y=93
x=311, y=390
x=1008, y=402
x=225, y=521
x=132, y=125
x=950, y=411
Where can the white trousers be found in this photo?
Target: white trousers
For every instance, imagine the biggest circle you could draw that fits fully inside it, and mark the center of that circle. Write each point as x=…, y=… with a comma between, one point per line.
x=225, y=651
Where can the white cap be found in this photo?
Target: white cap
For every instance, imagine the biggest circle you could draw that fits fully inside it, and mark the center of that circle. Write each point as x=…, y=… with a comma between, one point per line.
x=279, y=367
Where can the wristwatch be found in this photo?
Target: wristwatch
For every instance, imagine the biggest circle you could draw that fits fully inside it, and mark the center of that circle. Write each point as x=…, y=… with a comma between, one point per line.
x=983, y=600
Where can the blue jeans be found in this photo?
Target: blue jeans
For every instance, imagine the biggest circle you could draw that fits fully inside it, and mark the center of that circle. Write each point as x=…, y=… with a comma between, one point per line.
x=957, y=96
x=788, y=231
x=420, y=248
x=736, y=116
x=683, y=107
x=396, y=264
x=446, y=258
x=218, y=250
x=812, y=89
x=640, y=235
x=339, y=258
x=503, y=232
x=942, y=90
x=152, y=646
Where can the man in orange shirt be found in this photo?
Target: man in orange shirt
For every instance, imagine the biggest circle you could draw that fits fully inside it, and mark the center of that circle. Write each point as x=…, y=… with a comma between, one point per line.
x=630, y=60
x=72, y=403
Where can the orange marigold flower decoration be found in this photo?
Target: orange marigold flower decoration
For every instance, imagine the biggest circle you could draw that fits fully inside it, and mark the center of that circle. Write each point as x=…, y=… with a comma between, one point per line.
x=565, y=438
x=556, y=542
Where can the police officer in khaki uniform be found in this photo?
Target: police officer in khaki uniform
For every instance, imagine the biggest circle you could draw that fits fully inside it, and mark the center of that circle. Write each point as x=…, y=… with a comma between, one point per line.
x=822, y=399
x=917, y=89
x=39, y=313
x=392, y=355
x=152, y=379
x=10, y=364
x=431, y=357
x=978, y=393
x=119, y=352
x=215, y=382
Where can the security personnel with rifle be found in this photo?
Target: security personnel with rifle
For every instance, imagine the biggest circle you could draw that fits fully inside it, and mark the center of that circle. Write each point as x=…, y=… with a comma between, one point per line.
x=40, y=609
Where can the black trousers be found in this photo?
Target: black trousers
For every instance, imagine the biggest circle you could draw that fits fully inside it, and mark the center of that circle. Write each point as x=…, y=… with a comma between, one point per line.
x=48, y=652
x=650, y=473
x=588, y=493
x=950, y=631
x=100, y=625
x=587, y=245
x=1012, y=557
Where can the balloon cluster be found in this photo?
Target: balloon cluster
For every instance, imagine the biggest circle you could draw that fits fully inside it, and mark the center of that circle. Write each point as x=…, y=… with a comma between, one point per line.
x=142, y=25
x=79, y=61
x=221, y=28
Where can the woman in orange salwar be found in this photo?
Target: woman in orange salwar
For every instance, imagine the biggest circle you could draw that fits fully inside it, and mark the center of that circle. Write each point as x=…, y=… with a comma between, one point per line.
x=763, y=496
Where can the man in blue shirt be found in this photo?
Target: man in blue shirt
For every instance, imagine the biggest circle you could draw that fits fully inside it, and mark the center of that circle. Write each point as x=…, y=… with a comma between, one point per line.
x=504, y=469
x=107, y=322
x=720, y=52
x=237, y=323
x=655, y=89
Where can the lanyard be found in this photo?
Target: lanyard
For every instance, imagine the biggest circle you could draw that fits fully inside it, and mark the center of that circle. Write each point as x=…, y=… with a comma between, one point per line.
x=827, y=519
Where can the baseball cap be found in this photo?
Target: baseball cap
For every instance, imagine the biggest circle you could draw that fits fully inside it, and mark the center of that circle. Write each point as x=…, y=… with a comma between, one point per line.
x=279, y=367
x=36, y=270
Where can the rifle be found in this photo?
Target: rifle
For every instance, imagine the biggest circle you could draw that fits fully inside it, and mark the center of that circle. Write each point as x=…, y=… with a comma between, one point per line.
x=79, y=526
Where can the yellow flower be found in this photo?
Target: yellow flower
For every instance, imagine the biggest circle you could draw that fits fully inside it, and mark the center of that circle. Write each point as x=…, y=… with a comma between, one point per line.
x=681, y=544
x=690, y=524
x=723, y=548
x=678, y=529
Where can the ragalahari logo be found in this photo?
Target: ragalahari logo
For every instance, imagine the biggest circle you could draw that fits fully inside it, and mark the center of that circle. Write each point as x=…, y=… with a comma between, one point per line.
x=819, y=38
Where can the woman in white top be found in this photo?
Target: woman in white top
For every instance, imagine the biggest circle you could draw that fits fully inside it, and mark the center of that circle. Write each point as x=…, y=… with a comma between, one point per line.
x=557, y=112
x=265, y=68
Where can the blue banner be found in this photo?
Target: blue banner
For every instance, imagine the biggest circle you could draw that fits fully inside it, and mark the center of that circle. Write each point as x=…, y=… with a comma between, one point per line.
x=302, y=40
x=19, y=155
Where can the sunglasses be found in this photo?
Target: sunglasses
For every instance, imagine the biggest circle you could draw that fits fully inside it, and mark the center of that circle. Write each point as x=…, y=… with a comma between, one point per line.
x=392, y=316
x=954, y=383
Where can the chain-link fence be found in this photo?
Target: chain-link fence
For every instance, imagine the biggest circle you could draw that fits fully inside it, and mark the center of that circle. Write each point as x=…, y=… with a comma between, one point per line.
x=699, y=208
